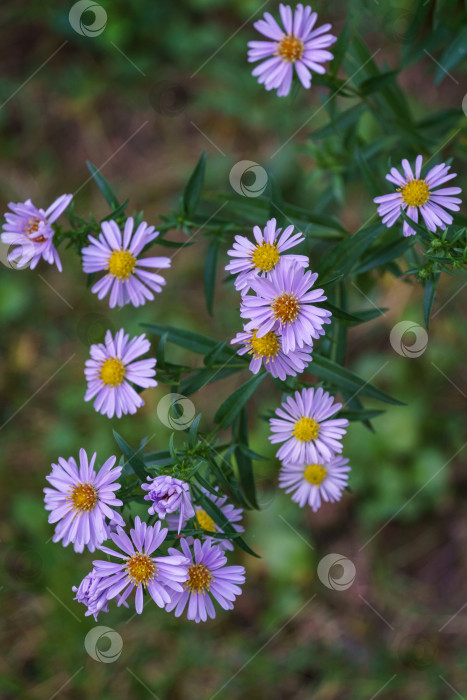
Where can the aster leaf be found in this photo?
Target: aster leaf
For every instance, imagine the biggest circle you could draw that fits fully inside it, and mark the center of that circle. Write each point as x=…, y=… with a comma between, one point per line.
x=133, y=458
x=200, y=344
x=232, y=406
x=202, y=377
x=210, y=273
x=193, y=188
x=243, y=459
x=104, y=187
x=429, y=297
x=344, y=379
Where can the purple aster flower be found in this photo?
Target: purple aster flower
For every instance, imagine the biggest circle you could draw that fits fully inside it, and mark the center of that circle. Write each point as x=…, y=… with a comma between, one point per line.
x=419, y=195
x=313, y=483
x=208, y=577
x=298, y=44
x=169, y=495
x=30, y=230
x=302, y=425
x=126, y=281
x=203, y=520
x=251, y=260
x=87, y=593
x=111, y=369
x=81, y=500
x=267, y=351
x=284, y=303
x=138, y=569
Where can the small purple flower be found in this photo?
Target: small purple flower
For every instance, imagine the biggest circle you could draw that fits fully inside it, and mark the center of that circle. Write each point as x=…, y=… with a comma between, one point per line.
x=87, y=593
x=267, y=351
x=284, y=303
x=118, y=256
x=297, y=45
x=30, y=230
x=208, y=577
x=419, y=195
x=168, y=495
x=251, y=260
x=111, y=369
x=312, y=483
x=302, y=425
x=81, y=499
x=161, y=576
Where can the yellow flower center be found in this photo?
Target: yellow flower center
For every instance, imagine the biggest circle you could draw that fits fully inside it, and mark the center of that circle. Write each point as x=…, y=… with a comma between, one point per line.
x=315, y=474
x=415, y=193
x=141, y=568
x=267, y=346
x=121, y=264
x=199, y=578
x=290, y=48
x=83, y=498
x=265, y=257
x=31, y=227
x=306, y=429
x=205, y=521
x=285, y=307
x=113, y=371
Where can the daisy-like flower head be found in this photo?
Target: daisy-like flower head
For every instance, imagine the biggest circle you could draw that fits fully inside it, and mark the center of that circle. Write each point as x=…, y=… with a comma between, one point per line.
x=208, y=578
x=297, y=45
x=87, y=593
x=169, y=495
x=416, y=194
x=118, y=255
x=82, y=499
x=259, y=258
x=138, y=569
x=303, y=425
x=111, y=369
x=267, y=351
x=285, y=303
x=203, y=520
x=313, y=483
x=30, y=230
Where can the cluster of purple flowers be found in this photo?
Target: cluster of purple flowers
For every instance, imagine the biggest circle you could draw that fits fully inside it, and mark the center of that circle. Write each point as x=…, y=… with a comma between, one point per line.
x=82, y=504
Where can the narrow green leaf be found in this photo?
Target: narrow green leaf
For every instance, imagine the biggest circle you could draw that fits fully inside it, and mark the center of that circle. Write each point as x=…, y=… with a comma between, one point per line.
x=377, y=82
x=210, y=271
x=135, y=460
x=232, y=406
x=193, y=432
x=429, y=297
x=219, y=518
x=202, y=377
x=104, y=187
x=200, y=344
x=454, y=54
x=243, y=459
x=345, y=380
x=192, y=191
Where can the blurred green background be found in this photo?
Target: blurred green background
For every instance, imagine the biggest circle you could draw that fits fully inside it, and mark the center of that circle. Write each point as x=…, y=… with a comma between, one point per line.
x=110, y=99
